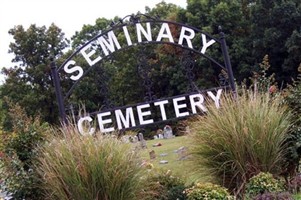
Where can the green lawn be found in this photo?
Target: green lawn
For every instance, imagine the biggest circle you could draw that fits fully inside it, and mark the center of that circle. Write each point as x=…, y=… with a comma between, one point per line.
x=182, y=168
x=178, y=166
x=297, y=197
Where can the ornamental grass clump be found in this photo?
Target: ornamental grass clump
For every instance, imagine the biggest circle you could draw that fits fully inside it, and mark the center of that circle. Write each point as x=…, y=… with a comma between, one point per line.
x=240, y=139
x=86, y=167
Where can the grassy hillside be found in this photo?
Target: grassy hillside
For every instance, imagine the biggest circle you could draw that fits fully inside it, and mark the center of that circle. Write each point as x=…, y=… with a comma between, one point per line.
x=174, y=151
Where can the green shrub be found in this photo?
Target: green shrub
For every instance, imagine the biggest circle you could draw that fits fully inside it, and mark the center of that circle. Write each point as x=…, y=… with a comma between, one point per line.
x=163, y=185
x=19, y=155
x=242, y=138
x=292, y=100
x=207, y=191
x=262, y=183
x=86, y=167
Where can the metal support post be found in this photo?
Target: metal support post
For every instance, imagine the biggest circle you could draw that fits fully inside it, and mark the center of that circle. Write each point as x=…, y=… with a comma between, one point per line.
x=227, y=61
x=58, y=92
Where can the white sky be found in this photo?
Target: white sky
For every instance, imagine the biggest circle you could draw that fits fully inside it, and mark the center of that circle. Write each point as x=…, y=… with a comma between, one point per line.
x=69, y=15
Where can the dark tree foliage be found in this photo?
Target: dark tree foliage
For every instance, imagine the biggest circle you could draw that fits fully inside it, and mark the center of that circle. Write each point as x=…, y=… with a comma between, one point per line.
x=275, y=28
x=29, y=83
x=253, y=29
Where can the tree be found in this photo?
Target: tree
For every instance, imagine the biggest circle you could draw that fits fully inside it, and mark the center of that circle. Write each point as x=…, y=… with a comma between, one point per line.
x=232, y=17
x=253, y=28
x=274, y=26
x=30, y=82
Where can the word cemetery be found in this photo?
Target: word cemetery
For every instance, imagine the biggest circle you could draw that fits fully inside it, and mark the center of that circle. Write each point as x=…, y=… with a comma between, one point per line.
x=141, y=114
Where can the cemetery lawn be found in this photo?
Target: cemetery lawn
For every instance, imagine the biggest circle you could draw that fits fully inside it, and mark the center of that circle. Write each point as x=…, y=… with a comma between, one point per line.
x=178, y=166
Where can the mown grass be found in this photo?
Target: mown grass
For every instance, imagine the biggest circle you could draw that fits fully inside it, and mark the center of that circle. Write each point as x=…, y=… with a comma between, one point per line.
x=180, y=167
x=297, y=196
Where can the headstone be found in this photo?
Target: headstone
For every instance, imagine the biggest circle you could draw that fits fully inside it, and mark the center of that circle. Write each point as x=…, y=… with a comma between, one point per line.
x=187, y=130
x=160, y=136
x=125, y=139
x=142, y=141
x=163, y=154
x=163, y=162
x=182, y=153
x=167, y=132
x=152, y=154
x=135, y=139
x=159, y=131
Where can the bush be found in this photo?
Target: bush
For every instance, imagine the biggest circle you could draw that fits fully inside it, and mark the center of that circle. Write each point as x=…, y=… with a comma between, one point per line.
x=262, y=183
x=207, y=191
x=86, y=167
x=19, y=152
x=292, y=100
x=162, y=185
x=242, y=138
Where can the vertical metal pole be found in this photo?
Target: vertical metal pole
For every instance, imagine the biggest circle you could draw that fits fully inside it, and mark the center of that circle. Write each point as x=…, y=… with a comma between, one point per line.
x=227, y=61
x=58, y=92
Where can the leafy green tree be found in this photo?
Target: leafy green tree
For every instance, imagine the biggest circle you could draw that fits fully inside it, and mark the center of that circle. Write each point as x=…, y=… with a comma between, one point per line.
x=233, y=18
x=162, y=10
x=253, y=29
x=274, y=26
x=29, y=82
x=89, y=31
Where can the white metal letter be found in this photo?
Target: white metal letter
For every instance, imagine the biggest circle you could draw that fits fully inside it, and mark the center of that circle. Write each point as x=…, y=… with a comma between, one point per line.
x=127, y=35
x=147, y=34
x=205, y=43
x=73, y=69
x=162, y=108
x=188, y=38
x=216, y=98
x=142, y=114
x=87, y=56
x=125, y=120
x=197, y=103
x=81, y=128
x=177, y=107
x=165, y=28
x=108, y=44
x=102, y=122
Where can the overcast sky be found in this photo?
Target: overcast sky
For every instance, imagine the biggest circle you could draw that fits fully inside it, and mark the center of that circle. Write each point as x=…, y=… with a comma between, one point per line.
x=69, y=15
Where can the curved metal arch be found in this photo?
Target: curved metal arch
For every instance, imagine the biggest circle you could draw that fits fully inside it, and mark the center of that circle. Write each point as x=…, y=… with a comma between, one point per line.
x=132, y=20
x=129, y=47
x=121, y=23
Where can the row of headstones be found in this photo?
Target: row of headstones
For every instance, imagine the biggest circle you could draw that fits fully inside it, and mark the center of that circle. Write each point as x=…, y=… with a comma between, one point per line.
x=134, y=139
x=182, y=153
x=165, y=134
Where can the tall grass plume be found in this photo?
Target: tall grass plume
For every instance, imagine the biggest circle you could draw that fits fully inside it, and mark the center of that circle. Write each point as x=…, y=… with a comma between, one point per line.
x=86, y=167
x=242, y=138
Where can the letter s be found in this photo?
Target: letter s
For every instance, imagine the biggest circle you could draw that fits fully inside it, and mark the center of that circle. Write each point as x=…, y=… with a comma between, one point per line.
x=73, y=69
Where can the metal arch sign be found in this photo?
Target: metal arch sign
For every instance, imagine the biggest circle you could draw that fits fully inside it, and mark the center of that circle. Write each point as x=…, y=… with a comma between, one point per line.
x=136, y=30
